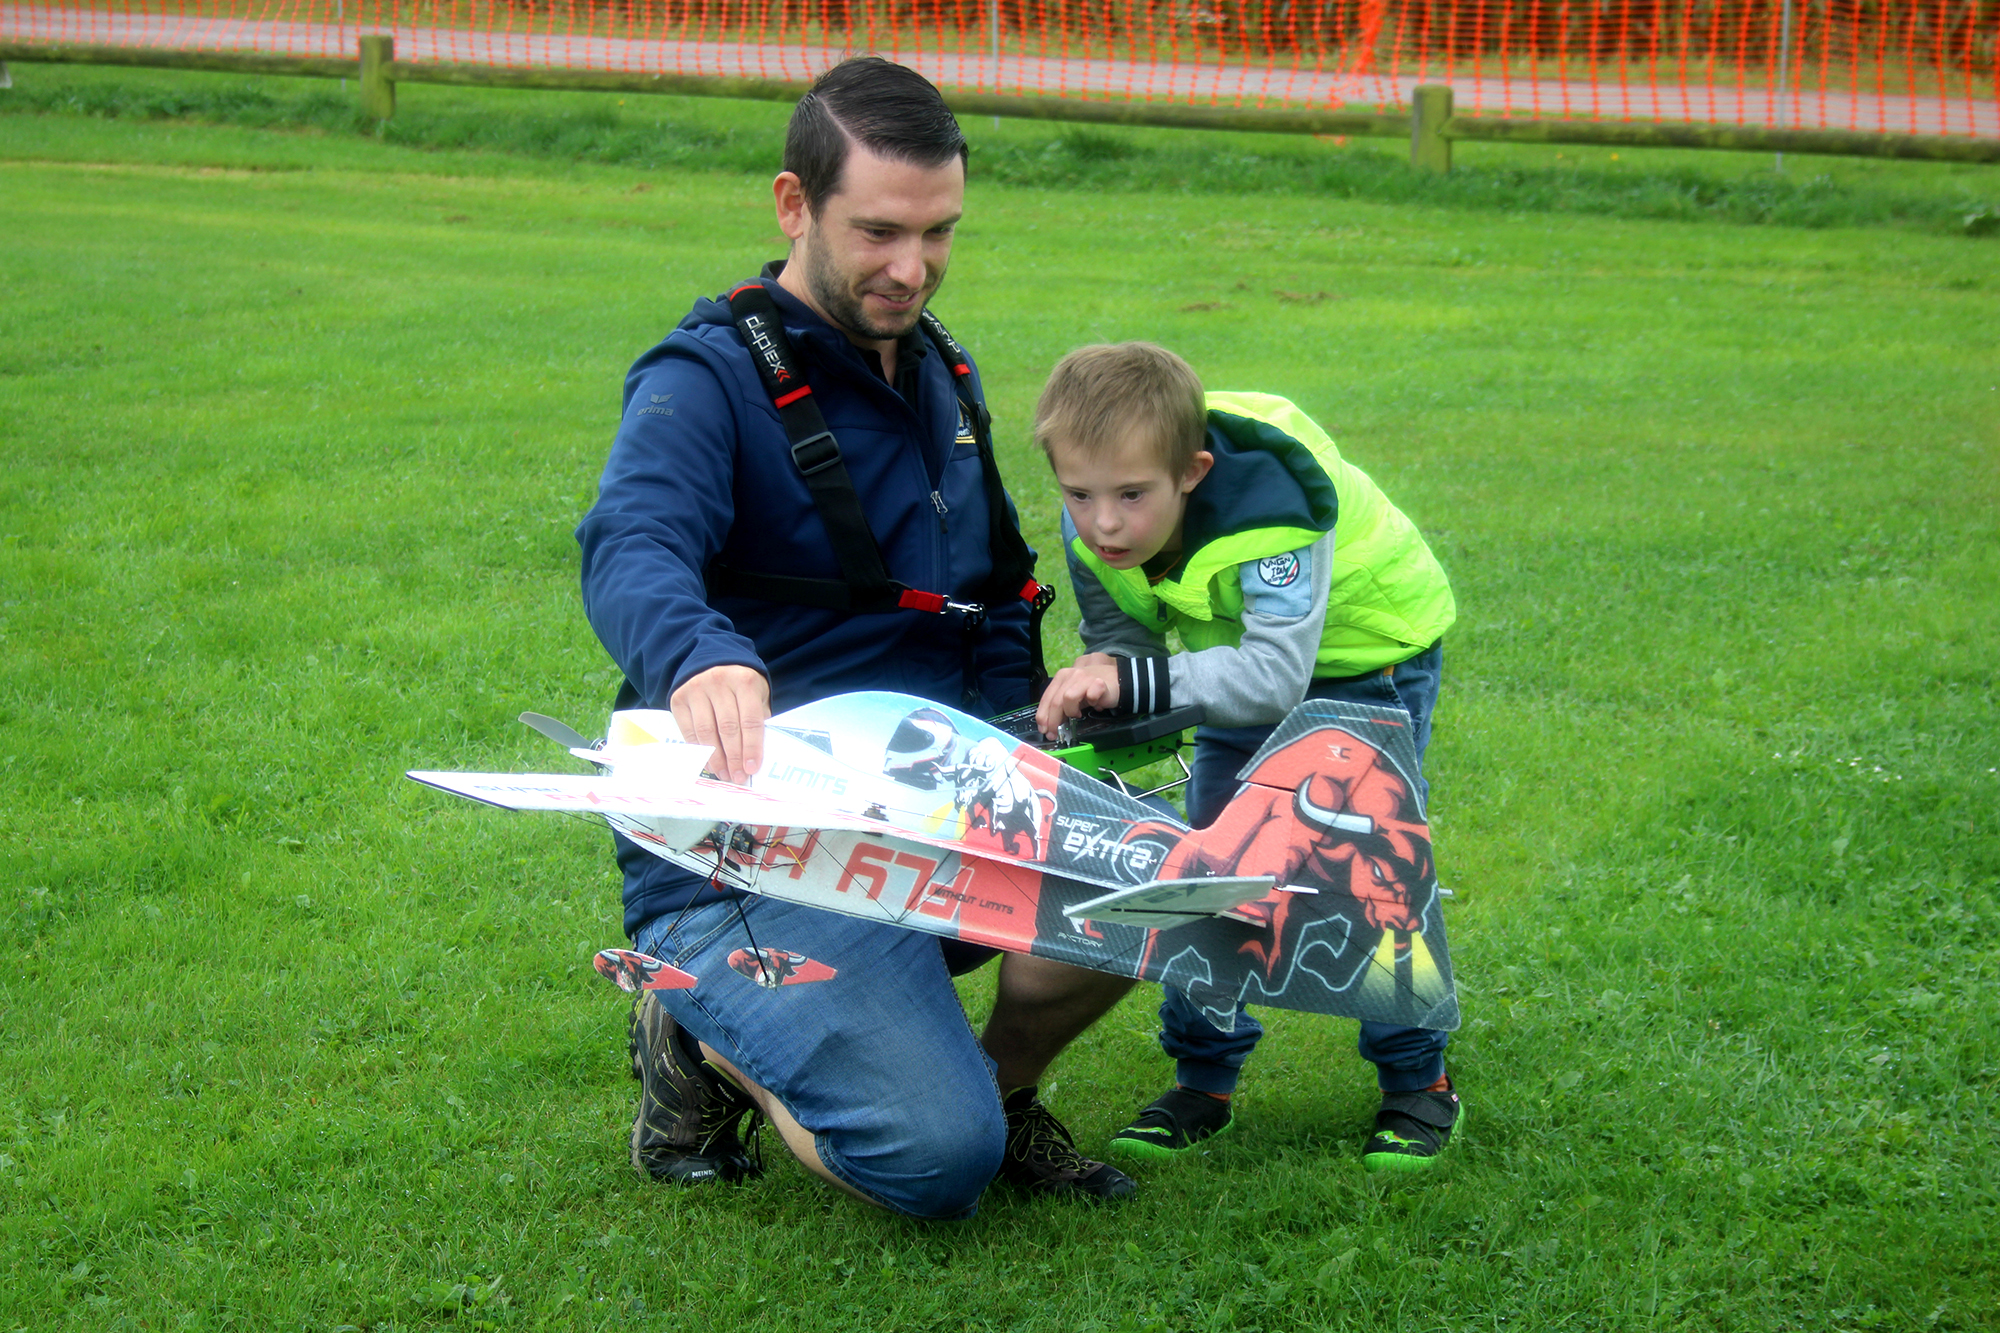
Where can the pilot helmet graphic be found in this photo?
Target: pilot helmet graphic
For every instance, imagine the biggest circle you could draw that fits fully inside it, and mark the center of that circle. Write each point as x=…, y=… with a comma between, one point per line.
x=921, y=749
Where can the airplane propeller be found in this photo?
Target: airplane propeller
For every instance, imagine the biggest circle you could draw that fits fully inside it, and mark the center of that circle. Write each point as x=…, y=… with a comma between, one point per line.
x=561, y=733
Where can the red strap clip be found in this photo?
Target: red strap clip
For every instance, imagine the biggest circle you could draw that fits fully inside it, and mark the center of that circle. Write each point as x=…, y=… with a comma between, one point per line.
x=912, y=600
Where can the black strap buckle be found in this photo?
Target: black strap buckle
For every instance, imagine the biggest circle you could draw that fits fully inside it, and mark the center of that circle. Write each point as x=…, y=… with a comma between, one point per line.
x=816, y=453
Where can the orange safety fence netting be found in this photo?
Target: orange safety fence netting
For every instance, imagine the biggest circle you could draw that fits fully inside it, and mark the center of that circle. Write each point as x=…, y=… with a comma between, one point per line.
x=1893, y=66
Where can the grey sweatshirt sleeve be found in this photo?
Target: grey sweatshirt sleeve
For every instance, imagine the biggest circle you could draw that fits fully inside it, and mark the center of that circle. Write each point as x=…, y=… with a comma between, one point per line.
x=1284, y=615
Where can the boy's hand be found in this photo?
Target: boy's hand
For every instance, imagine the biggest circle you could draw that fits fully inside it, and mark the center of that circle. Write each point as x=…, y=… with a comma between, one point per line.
x=1092, y=682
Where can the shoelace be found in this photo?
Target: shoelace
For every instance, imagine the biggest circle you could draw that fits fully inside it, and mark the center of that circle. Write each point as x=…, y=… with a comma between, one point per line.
x=753, y=1116
x=1050, y=1136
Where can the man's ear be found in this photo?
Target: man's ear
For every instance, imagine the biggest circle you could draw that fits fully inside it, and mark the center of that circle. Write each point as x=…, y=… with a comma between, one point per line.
x=1198, y=467
x=789, y=194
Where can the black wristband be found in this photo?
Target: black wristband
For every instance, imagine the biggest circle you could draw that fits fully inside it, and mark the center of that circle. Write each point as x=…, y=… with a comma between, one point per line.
x=1143, y=685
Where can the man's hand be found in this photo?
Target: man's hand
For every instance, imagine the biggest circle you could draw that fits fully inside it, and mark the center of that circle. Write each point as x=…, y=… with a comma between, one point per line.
x=725, y=707
x=1092, y=682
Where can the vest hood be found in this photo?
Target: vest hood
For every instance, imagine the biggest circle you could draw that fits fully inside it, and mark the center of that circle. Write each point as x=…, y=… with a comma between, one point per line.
x=1263, y=478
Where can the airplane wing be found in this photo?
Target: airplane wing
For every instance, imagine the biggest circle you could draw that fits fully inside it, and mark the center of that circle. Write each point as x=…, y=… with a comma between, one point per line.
x=870, y=762
x=706, y=802
x=899, y=810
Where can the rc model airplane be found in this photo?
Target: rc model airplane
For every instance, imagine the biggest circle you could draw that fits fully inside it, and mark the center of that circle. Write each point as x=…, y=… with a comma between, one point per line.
x=1314, y=890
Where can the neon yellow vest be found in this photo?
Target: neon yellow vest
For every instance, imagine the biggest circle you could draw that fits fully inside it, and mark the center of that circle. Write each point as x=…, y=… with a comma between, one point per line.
x=1389, y=597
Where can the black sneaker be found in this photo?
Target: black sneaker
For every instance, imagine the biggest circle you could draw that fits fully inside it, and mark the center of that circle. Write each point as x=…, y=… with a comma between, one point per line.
x=1175, y=1122
x=686, y=1127
x=1042, y=1157
x=1411, y=1129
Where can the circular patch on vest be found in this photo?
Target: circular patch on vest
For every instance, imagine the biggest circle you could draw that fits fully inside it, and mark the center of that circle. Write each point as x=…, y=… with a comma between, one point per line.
x=1279, y=571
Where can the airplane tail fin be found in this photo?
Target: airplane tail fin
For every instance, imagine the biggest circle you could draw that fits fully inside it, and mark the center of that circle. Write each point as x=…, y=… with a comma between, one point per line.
x=1174, y=902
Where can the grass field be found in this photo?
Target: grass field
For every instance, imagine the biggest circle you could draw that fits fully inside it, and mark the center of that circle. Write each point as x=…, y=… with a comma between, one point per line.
x=295, y=426
x=653, y=133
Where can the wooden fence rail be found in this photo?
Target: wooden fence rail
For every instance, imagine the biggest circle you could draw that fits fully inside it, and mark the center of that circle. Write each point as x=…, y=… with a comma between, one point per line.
x=1431, y=128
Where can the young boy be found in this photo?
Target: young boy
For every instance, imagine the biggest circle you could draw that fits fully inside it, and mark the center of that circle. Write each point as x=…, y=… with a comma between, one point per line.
x=1232, y=519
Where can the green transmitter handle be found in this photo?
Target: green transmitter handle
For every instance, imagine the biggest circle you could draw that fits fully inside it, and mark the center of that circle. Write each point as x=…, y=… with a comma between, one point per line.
x=1106, y=747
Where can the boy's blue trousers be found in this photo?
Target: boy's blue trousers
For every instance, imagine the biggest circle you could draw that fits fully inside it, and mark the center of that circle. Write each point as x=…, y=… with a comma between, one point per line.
x=1205, y=1057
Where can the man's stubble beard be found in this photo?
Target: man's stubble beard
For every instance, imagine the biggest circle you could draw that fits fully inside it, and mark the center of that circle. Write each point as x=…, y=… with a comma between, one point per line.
x=829, y=287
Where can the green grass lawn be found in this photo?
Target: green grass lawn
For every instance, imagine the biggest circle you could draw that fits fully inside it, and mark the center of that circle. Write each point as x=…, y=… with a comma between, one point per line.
x=651, y=133
x=295, y=426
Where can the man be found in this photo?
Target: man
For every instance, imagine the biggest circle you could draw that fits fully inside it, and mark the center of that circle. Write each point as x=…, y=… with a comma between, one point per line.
x=718, y=577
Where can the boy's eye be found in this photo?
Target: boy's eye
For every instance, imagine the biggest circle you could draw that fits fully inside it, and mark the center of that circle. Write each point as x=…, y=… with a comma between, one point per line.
x=1133, y=497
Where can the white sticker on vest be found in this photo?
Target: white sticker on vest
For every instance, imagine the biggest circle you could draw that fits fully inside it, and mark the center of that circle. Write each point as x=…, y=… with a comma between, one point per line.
x=1278, y=586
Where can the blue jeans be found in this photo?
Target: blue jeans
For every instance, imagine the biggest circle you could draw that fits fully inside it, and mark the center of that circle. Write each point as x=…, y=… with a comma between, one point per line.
x=1205, y=1057
x=877, y=1061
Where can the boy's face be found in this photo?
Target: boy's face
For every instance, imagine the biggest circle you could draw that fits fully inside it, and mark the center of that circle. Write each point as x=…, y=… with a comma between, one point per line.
x=1125, y=503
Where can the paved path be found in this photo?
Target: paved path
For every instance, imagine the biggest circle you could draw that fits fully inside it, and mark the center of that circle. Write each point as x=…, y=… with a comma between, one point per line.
x=1050, y=76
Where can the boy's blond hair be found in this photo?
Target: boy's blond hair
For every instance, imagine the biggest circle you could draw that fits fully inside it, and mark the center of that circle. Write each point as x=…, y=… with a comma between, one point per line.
x=1114, y=394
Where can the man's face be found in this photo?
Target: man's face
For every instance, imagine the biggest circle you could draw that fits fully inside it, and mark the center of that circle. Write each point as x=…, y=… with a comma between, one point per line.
x=1125, y=503
x=878, y=248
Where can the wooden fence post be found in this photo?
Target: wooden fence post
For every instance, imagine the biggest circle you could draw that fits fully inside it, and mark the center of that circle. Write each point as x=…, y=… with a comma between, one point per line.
x=1430, y=108
x=378, y=90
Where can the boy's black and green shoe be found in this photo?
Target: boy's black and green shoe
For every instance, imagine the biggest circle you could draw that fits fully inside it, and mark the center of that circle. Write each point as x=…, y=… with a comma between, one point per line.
x=1174, y=1123
x=1411, y=1130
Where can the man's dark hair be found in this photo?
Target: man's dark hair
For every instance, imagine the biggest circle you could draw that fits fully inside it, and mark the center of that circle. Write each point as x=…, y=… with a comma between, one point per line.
x=889, y=109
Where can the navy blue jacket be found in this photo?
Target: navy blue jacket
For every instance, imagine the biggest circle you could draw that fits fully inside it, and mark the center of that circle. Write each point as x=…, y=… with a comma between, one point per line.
x=701, y=469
